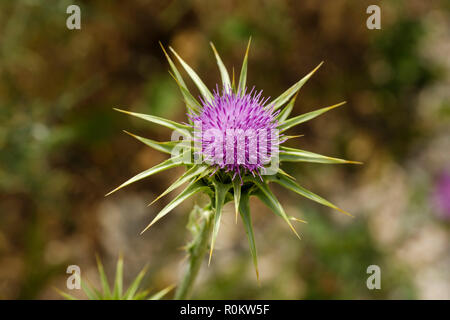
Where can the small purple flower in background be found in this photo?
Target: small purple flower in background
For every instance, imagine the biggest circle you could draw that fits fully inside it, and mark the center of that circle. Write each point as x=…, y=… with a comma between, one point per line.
x=441, y=195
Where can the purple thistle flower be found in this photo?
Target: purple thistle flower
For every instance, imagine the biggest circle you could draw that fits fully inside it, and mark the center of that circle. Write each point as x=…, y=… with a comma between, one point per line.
x=236, y=131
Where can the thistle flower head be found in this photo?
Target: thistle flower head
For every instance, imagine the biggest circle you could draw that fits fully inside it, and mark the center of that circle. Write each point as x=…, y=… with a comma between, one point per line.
x=234, y=133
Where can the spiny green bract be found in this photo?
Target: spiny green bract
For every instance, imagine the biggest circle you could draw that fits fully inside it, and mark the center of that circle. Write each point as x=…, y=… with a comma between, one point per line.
x=218, y=184
x=117, y=292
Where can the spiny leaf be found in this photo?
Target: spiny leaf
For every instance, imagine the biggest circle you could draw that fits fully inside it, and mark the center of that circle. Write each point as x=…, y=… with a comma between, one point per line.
x=281, y=100
x=191, y=103
x=223, y=70
x=169, y=163
x=298, y=155
x=281, y=171
x=243, y=74
x=306, y=117
x=244, y=209
x=293, y=186
x=195, y=171
x=220, y=193
x=174, y=68
x=298, y=220
x=190, y=190
x=65, y=295
x=237, y=195
x=284, y=114
x=129, y=294
x=162, y=293
x=266, y=196
x=198, y=82
x=165, y=147
x=183, y=129
x=286, y=138
x=141, y=295
x=118, y=283
x=90, y=291
x=103, y=279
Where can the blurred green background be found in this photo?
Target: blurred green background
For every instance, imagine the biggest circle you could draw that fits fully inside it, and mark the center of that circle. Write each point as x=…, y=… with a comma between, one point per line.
x=62, y=146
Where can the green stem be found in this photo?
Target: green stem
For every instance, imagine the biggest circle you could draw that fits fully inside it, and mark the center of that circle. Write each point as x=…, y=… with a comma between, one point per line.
x=197, y=250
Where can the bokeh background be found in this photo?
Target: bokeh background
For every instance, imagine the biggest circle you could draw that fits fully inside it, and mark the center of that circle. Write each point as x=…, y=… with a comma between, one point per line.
x=62, y=146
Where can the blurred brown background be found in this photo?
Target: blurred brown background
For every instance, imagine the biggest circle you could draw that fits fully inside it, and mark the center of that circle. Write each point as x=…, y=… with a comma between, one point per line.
x=62, y=146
